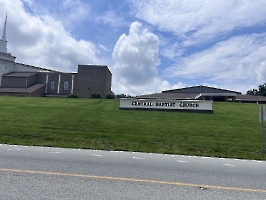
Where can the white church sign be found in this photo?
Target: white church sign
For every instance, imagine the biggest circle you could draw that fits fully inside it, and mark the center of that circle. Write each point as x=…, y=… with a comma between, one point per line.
x=167, y=104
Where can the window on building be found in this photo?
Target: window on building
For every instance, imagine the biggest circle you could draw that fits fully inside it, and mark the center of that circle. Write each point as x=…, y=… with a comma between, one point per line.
x=52, y=85
x=66, y=85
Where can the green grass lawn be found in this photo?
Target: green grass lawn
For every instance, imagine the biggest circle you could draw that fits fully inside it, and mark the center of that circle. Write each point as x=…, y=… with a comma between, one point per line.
x=233, y=130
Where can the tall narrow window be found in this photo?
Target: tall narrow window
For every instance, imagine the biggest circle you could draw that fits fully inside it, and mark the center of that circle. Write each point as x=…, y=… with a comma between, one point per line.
x=65, y=85
x=52, y=85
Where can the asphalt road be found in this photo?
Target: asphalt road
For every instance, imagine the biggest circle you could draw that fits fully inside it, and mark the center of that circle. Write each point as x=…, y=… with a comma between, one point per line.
x=55, y=173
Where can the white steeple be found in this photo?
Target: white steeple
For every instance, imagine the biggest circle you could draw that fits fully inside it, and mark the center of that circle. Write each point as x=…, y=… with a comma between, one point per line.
x=4, y=31
x=3, y=42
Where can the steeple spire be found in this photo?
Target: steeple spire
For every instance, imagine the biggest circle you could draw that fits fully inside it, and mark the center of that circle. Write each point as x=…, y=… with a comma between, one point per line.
x=4, y=31
x=3, y=42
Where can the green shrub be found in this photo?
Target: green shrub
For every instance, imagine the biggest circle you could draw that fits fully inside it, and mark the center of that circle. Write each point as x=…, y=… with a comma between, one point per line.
x=109, y=96
x=20, y=95
x=95, y=95
x=72, y=96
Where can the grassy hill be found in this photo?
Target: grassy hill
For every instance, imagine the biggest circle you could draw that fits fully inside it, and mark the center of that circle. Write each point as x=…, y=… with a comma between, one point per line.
x=233, y=130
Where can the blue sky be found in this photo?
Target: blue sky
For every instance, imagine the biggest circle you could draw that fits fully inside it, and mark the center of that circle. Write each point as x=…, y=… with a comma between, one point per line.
x=149, y=45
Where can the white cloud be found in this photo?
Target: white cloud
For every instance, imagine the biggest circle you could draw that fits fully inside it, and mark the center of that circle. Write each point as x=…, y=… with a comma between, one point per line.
x=156, y=86
x=73, y=12
x=103, y=47
x=40, y=36
x=70, y=12
x=199, y=21
x=136, y=55
x=112, y=18
x=136, y=58
x=238, y=62
x=43, y=41
x=29, y=2
x=178, y=85
x=171, y=50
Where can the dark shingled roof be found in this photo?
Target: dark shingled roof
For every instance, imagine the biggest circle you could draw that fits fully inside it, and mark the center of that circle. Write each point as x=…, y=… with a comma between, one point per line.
x=178, y=94
x=20, y=74
x=166, y=95
x=200, y=89
x=241, y=97
x=36, y=67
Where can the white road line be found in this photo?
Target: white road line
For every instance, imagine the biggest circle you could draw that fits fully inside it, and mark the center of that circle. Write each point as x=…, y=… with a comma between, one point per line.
x=181, y=161
x=13, y=149
x=138, y=158
x=96, y=155
x=230, y=165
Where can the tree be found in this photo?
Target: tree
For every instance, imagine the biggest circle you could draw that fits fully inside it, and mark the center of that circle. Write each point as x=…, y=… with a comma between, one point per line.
x=261, y=91
x=252, y=92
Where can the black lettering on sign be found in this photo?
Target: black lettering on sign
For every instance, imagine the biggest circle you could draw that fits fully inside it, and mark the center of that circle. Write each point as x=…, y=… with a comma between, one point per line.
x=188, y=105
x=165, y=104
x=147, y=104
x=136, y=103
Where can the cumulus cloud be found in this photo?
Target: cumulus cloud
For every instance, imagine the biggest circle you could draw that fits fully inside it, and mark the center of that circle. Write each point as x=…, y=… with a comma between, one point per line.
x=136, y=55
x=136, y=58
x=43, y=41
x=237, y=62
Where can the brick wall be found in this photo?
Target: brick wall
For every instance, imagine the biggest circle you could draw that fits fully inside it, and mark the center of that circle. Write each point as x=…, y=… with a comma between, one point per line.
x=41, y=77
x=89, y=79
x=10, y=81
x=109, y=83
x=31, y=80
x=93, y=79
x=39, y=92
x=13, y=82
x=64, y=85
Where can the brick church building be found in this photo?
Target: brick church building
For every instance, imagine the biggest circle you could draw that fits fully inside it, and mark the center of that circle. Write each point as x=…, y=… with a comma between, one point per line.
x=20, y=79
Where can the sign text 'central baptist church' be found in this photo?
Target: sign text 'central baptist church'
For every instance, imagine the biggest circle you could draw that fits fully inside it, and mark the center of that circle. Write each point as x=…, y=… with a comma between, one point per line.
x=167, y=104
